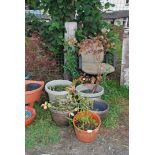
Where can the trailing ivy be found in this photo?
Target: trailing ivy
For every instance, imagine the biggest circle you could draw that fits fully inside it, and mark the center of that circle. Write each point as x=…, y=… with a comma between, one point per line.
x=70, y=65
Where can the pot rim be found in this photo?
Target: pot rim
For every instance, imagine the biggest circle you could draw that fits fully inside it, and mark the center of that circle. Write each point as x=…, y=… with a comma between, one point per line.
x=61, y=112
x=94, y=95
x=33, y=112
x=97, y=128
x=36, y=90
x=98, y=99
x=57, y=83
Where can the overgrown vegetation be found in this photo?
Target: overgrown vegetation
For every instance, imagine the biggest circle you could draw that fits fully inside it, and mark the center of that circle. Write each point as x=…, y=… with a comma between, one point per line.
x=89, y=17
x=71, y=58
x=114, y=93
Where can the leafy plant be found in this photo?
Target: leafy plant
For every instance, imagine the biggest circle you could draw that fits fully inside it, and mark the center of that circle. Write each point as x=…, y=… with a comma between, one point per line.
x=85, y=121
x=32, y=24
x=70, y=65
x=53, y=36
x=73, y=103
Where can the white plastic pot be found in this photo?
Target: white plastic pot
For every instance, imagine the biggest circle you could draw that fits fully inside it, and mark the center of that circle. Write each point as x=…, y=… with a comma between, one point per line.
x=82, y=87
x=57, y=94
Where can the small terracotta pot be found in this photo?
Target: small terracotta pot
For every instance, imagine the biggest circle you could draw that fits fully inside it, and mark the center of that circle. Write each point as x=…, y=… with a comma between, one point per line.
x=86, y=136
x=33, y=115
x=34, y=95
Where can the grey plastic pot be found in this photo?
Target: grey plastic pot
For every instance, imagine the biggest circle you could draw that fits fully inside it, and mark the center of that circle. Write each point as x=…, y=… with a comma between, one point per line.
x=57, y=94
x=100, y=107
x=59, y=117
x=83, y=87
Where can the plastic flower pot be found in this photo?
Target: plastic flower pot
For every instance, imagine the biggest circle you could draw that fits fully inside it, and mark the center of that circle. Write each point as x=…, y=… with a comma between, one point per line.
x=56, y=94
x=30, y=115
x=89, y=135
x=85, y=90
x=100, y=107
x=33, y=90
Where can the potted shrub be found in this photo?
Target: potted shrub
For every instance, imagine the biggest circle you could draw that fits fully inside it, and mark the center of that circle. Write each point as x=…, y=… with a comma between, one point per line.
x=57, y=89
x=86, y=125
x=92, y=52
x=61, y=109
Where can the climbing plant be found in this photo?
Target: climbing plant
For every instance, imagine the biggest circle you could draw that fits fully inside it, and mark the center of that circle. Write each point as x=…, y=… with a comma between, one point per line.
x=89, y=16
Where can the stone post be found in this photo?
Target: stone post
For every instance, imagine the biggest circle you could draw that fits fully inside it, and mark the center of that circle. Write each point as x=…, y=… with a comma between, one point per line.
x=125, y=59
x=71, y=28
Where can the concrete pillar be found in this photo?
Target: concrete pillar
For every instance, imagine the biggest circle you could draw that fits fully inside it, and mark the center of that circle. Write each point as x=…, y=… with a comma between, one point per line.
x=71, y=28
x=125, y=59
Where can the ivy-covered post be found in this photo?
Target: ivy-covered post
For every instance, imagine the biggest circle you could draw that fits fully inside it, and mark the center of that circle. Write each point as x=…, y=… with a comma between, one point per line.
x=71, y=28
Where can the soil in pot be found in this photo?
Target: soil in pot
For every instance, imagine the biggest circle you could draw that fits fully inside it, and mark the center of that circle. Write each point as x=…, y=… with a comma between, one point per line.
x=89, y=91
x=58, y=88
x=32, y=86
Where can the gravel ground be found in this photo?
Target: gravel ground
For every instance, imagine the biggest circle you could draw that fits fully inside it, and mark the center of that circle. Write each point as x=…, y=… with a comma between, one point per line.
x=108, y=142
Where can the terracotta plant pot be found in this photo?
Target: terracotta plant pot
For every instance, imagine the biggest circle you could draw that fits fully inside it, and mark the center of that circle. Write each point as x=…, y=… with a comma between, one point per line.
x=33, y=90
x=89, y=135
x=30, y=115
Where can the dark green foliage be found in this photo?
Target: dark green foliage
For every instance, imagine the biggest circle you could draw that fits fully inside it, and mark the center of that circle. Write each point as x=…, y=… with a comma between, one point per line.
x=32, y=24
x=71, y=65
x=53, y=36
x=114, y=95
x=33, y=4
x=89, y=16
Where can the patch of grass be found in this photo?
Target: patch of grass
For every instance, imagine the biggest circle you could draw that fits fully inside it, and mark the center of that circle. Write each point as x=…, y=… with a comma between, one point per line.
x=114, y=90
x=114, y=95
x=42, y=131
x=112, y=118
